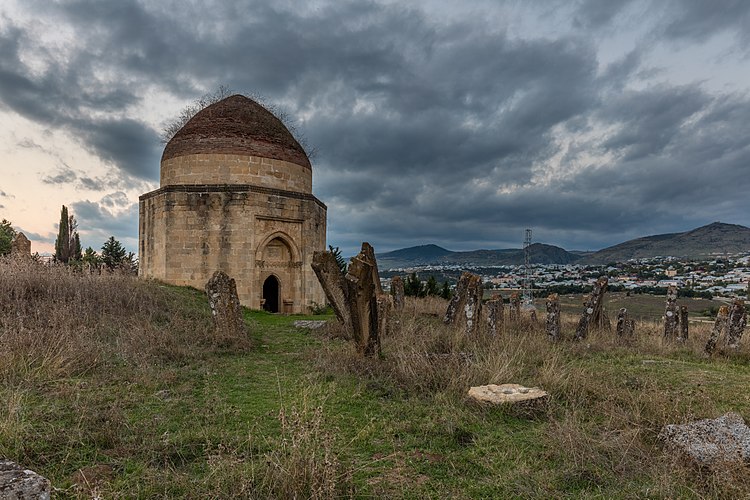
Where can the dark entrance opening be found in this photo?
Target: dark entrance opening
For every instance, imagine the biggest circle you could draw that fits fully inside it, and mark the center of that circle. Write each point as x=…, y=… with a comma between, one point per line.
x=271, y=294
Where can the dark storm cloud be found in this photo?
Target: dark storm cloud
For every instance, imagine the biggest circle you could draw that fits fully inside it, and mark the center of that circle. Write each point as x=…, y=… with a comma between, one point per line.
x=426, y=130
x=699, y=20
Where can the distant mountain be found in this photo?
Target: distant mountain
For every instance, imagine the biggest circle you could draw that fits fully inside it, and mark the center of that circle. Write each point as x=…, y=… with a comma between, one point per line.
x=435, y=255
x=716, y=238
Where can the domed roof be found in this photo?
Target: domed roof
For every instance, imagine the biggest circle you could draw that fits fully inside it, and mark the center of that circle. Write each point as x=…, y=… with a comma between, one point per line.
x=236, y=125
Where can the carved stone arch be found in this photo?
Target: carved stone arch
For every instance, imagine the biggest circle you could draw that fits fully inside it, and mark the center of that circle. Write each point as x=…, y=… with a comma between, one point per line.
x=286, y=239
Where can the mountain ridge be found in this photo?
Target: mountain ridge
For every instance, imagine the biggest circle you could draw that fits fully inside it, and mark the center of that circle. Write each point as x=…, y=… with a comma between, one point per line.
x=711, y=239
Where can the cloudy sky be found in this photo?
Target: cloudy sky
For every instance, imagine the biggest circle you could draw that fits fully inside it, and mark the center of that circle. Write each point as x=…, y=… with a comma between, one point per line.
x=456, y=123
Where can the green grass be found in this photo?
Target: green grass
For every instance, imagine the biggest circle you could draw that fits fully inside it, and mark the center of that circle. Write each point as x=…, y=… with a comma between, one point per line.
x=207, y=426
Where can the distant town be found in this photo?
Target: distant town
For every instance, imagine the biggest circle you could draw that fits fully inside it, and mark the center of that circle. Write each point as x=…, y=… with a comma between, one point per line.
x=720, y=276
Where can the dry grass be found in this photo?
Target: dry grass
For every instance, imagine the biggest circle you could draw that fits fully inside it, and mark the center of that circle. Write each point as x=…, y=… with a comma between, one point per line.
x=610, y=397
x=58, y=322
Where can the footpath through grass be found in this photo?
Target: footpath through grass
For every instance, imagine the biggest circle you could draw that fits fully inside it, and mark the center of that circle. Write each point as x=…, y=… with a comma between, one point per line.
x=299, y=414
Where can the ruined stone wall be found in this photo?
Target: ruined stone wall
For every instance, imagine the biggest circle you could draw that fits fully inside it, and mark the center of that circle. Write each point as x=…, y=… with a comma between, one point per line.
x=198, y=169
x=249, y=232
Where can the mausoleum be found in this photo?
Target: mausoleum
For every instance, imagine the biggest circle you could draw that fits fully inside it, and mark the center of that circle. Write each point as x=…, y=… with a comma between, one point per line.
x=235, y=195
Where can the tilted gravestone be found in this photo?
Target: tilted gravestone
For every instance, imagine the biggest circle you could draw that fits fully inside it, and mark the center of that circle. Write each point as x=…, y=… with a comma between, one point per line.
x=592, y=308
x=354, y=297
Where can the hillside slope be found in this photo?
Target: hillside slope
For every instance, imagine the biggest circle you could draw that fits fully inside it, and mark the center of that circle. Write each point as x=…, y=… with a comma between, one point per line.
x=714, y=239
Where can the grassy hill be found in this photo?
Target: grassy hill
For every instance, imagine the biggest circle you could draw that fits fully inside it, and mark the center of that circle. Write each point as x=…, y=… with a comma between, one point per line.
x=714, y=239
x=115, y=387
x=433, y=254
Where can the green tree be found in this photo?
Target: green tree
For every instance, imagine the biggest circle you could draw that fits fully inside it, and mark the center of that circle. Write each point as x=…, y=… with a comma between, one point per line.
x=413, y=286
x=91, y=258
x=432, y=286
x=7, y=233
x=445, y=291
x=68, y=243
x=113, y=253
x=336, y=251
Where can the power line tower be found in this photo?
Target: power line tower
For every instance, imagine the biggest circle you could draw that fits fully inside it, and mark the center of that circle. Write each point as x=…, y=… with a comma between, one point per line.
x=528, y=300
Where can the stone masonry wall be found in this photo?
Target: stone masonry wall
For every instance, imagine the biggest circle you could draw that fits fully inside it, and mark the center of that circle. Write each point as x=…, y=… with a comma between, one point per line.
x=198, y=169
x=189, y=232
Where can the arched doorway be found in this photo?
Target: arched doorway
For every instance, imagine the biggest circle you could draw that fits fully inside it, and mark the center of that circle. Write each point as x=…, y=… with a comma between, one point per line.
x=271, y=294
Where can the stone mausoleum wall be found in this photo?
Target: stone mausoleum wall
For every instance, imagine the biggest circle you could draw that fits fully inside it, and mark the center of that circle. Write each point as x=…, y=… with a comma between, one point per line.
x=187, y=232
x=236, y=169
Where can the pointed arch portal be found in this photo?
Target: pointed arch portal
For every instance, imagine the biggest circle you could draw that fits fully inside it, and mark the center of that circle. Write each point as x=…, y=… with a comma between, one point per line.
x=271, y=294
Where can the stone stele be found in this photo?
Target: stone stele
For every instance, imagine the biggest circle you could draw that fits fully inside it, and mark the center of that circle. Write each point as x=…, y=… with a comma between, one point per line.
x=506, y=394
x=710, y=442
x=19, y=483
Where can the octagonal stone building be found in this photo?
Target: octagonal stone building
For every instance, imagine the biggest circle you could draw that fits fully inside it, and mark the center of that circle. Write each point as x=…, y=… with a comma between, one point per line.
x=235, y=195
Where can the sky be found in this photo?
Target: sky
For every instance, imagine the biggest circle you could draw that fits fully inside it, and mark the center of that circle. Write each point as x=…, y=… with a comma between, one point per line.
x=455, y=123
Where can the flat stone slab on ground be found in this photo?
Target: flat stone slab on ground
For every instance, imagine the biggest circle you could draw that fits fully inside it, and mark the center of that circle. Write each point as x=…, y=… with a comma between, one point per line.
x=506, y=393
x=22, y=484
x=311, y=324
x=710, y=441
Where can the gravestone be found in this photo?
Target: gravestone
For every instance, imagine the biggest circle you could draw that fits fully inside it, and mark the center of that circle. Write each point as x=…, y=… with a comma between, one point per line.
x=592, y=307
x=225, y=306
x=466, y=303
x=397, y=290
x=553, y=317
x=20, y=247
x=495, y=313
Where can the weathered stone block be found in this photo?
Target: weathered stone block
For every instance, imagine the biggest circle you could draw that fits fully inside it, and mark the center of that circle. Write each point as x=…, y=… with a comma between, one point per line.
x=22, y=484
x=710, y=442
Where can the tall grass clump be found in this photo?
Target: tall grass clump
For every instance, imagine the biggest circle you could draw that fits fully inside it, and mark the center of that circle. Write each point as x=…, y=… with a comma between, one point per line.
x=57, y=321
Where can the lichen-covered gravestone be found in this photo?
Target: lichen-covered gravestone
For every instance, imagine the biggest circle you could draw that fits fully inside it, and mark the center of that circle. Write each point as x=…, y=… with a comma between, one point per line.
x=22, y=484
x=592, y=308
x=495, y=314
x=625, y=325
x=466, y=303
x=225, y=306
x=710, y=442
x=515, y=307
x=720, y=326
x=737, y=322
x=671, y=319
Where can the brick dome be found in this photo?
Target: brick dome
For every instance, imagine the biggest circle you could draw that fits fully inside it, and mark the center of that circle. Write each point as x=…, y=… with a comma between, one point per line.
x=236, y=125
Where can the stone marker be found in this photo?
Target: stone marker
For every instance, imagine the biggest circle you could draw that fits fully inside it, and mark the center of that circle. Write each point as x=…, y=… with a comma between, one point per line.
x=625, y=325
x=515, y=307
x=737, y=322
x=397, y=290
x=553, y=317
x=709, y=442
x=684, y=324
x=518, y=397
x=354, y=297
x=385, y=306
x=495, y=313
x=20, y=247
x=22, y=484
x=592, y=305
x=720, y=326
x=466, y=303
x=225, y=306
x=671, y=318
